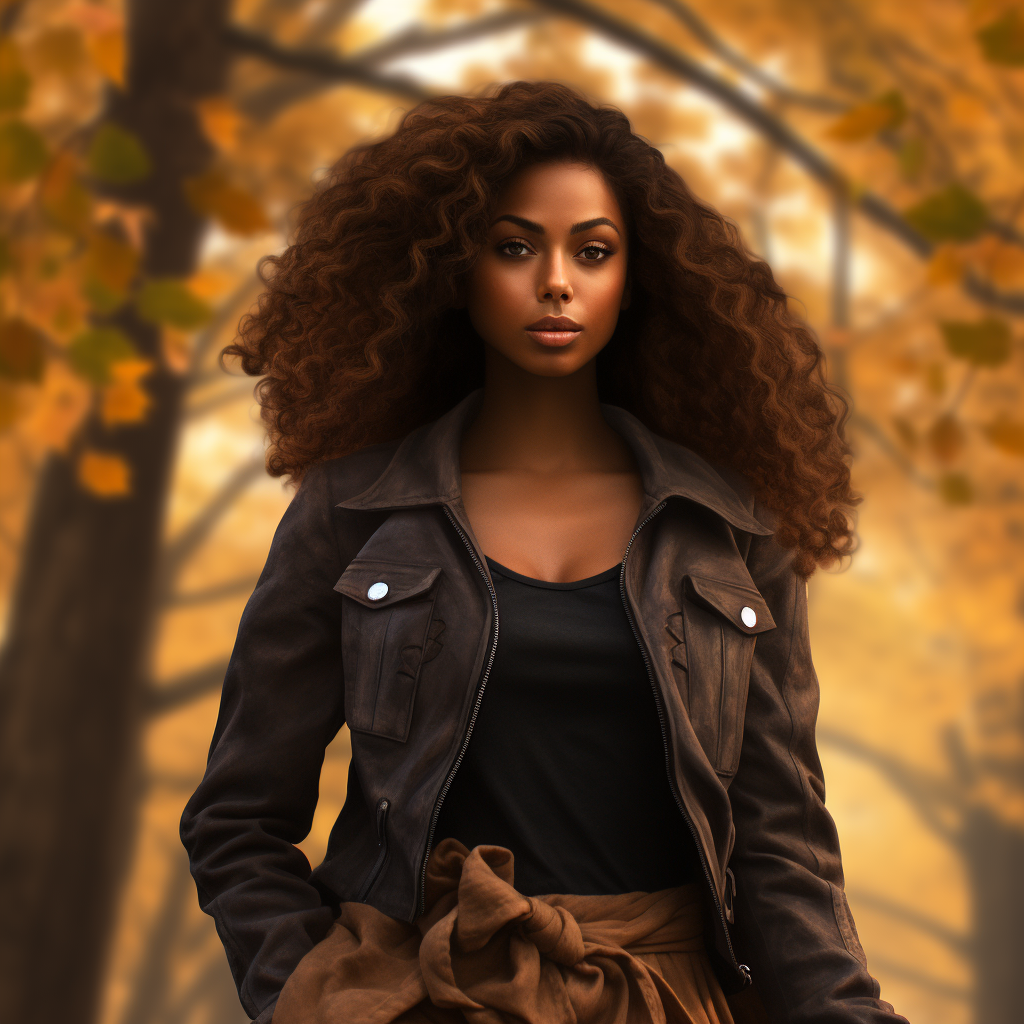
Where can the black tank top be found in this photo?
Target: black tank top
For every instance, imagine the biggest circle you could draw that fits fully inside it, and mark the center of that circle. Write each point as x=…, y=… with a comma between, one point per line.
x=566, y=763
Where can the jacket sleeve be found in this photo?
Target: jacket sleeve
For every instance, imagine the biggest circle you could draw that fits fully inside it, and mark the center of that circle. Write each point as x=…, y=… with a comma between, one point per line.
x=281, y=705
x=792, y=922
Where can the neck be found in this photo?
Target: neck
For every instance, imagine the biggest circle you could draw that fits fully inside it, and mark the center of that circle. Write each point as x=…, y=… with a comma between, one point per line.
x=540, y=424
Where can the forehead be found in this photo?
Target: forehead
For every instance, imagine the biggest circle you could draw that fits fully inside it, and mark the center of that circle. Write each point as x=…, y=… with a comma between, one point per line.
x=553, y=193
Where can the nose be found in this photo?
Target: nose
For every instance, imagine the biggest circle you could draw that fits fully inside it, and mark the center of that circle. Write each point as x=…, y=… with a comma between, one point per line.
x=554, y=280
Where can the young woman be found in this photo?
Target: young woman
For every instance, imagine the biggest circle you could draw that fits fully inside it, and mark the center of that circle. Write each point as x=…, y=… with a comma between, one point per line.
x=566, y=462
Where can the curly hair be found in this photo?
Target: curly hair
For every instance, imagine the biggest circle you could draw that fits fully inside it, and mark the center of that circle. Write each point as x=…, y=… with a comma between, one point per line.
x=357, y=339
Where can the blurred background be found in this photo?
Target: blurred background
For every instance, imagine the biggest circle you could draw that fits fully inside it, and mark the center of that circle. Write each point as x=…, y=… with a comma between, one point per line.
x=152, y=151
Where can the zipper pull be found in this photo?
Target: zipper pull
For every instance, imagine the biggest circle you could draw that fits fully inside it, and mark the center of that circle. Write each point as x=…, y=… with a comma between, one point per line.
x=382, y=815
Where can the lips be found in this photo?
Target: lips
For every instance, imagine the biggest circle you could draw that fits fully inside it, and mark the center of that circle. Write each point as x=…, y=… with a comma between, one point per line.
x=554, y=331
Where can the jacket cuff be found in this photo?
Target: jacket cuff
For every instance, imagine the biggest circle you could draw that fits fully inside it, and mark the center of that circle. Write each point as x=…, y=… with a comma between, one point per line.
x=266, y=1015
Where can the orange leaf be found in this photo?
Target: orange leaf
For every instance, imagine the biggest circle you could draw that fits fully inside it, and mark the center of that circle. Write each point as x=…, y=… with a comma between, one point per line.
x=62, y=405
x=1003, y=263
x=946, y=265
x=214, y=195
x=1006, y=434
x=946, y=438
x=107, y=51
x=869, y=118
x=107, y=476
x=110, y=261
x=8, y=405
x=124, y=399
x=63, y=196
x=176, y=347
x=220, y=121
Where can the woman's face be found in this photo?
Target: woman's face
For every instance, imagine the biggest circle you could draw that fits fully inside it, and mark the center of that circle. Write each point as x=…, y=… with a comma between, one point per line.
x=548, y=286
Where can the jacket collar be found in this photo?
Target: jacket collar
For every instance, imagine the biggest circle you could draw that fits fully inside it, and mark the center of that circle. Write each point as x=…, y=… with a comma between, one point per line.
x=425, y=468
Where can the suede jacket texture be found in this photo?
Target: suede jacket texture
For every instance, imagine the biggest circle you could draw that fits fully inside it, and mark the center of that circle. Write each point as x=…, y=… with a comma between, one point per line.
x=375, y=608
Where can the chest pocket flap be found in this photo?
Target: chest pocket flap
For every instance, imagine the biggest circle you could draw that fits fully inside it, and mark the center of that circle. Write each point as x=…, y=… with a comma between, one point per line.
x=387, y=630
x=721, y=620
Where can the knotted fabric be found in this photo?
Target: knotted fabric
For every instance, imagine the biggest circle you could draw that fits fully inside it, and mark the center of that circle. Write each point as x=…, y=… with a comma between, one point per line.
x=484, y=953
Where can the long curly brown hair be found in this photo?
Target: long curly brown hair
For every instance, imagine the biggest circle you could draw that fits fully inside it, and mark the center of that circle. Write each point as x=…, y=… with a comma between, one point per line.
x=357, y=338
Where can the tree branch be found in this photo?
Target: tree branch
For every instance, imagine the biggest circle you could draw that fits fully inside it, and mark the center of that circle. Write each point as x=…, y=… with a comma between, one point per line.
x=926, y=793
x=933, y=985
x=195, y=409
x=957, y=941
x=185, y=688
x=177, y=551
x=215, y=592
x=321, y=64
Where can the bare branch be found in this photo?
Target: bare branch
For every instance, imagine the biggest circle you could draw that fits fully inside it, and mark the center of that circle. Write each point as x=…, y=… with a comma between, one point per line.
x=196, y=410
x=225, y=312
x=177, y=551
x=703, y=33
x=933, y=985
x=928, y=794
x=216, y=592
x=185, y=688
x=891, y=449
x=321, y=63
x=954, y=940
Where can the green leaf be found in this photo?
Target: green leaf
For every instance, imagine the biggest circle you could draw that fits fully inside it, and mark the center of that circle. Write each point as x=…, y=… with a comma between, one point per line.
x=116, y=155
x=1002, y=42
x=22, y=352
x=167, y=300
x=956, y=489
x=22, y=152
x=984, y=342
x=912, y=156
x=101, y=297
x=92, y=352
x=14, y=80
x=953, y=215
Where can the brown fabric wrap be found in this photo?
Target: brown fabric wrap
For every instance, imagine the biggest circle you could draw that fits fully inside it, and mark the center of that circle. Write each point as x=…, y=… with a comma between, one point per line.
x=486, y=954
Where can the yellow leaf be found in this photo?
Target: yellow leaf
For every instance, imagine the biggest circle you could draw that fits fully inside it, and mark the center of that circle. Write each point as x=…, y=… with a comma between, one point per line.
x=867, y=119
x=62, y=405
x=107, y=51
x=214, y=195
x=1006, y=434
x=946, y=265
x=107, y=476
x=176, y=347
x=220, y=121
x=124, y=399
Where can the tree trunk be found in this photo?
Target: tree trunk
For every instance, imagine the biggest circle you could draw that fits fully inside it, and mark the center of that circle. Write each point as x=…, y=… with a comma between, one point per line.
x=73, y=666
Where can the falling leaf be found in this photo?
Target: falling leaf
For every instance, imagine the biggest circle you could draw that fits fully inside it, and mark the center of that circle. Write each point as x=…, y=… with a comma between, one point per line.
x=946, y=438
x=953, y=215
x=59, y=49
x=22, y=152
x=167, y=300
x=237, y=210
x=984, y=342
x=1002, y=42
x=22, y=349
x=93, y=351
x=124, y=399
x=176, y=348
x=1006, y=434
x=905, y=431
x=107, y=476
x=64, y=198
x=867, y=119
x=116, y=155
x=15, y=82
x=107, y=52
x=956, y=489
x=946, y=265
x=220, y=121
x=64, y=400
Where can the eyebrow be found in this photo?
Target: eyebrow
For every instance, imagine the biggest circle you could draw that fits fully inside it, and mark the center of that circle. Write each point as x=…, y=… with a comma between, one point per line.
x=531, y=225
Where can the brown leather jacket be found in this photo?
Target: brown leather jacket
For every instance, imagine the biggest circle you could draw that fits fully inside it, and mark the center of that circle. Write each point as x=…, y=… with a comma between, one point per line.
x=375, y=608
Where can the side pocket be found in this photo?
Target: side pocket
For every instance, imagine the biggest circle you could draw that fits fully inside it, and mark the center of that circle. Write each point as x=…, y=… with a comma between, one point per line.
x=844, y=920
x=383, y=805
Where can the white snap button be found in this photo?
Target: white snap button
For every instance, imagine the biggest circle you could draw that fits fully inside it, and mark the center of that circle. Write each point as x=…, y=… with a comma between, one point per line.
x=749, y=616
x=377, y=591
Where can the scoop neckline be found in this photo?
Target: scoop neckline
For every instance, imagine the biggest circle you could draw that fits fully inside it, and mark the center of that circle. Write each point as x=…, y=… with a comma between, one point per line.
x=589, y=581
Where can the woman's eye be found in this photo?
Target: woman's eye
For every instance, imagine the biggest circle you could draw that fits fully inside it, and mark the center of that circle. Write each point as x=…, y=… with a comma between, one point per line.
x=505, y=247
x=595, y=253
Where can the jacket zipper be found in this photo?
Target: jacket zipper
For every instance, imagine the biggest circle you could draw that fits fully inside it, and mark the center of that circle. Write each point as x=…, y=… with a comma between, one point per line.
x=382, y=841
x=473, y=715
x=742, y=969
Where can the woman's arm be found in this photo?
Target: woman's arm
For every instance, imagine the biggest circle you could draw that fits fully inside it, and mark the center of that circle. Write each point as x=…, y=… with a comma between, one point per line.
x=793, y=924
x=282, y=703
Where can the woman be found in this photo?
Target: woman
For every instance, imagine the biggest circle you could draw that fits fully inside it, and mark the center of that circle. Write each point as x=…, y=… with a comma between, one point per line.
x=566, y=461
